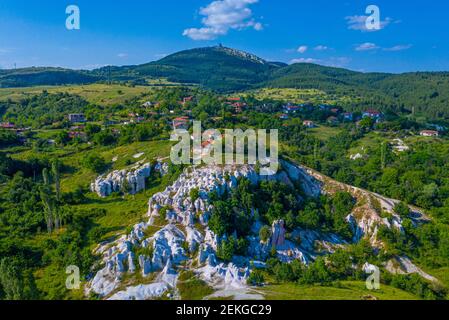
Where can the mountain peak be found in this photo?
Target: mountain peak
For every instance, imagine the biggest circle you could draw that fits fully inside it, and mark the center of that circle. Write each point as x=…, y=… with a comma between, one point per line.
x=240, y=54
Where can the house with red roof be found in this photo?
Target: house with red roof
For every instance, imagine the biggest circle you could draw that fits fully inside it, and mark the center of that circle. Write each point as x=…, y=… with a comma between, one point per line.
x=429, y=133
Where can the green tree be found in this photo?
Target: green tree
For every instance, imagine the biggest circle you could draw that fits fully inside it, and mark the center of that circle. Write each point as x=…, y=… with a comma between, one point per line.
x=94, y=162
x=265, y=234
x=402, y=210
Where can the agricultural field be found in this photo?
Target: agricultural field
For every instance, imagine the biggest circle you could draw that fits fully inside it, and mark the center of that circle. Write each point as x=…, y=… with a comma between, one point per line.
x=298, y=96
x=101, y=94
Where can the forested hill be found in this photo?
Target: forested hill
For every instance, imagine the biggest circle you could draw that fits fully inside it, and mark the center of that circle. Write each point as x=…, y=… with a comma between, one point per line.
x=229, y=70
x=217, y=68
x=27, y=77
x=424, y=92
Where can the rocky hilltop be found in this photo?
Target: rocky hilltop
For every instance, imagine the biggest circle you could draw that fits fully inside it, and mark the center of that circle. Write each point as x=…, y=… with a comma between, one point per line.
x=176, y=236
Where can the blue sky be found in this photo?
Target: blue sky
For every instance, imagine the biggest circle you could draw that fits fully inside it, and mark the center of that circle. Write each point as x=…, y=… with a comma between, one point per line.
x=413, y=34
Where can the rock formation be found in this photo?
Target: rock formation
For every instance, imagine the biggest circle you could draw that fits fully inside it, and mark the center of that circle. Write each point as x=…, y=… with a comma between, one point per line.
x=133, y=180
x=180, y=235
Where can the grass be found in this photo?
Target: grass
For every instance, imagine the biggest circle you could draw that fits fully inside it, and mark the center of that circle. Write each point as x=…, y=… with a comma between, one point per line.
x=121, y=212
x=324, y=133
x=371, y=141
x=102, y=94
x=347, y=290
x=299, y=96
x=191, y=288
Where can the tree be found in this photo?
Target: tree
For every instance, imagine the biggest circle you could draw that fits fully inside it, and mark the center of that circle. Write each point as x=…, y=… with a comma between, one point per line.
x=55, y=167
x=194, y=194
x=265, y=234
x=94, y=162
x=16, y=283
x=226, y=249
x=45, y=193
x=92, y=129
x=367, y=123
x=256, y=278
x=402, y=210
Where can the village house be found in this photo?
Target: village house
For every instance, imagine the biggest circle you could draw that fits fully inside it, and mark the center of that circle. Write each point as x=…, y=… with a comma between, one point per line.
x=335, y=110
x=77, y=117
x=348, y=116
x=148, y=104
x=291, y=109
x=187, y=100
x=238, y=107
x=181, y=123
x=77, y=134
x=283, y=116
x=373, y=114
x=308, y=124
x=7, y=125
x=429, y=133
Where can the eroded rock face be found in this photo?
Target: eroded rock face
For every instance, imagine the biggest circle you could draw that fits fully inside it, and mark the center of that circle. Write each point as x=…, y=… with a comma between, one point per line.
x=278, y=234
x=133, y=180
x=185, y=232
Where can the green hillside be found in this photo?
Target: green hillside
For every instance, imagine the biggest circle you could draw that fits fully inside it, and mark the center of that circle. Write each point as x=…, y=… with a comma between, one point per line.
x=44, y=76
x=216, y=68
x=228, y=70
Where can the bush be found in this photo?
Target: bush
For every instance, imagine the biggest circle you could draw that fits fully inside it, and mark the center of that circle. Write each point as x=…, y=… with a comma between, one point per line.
x=94, y=163
x=265, y=234
x=256, y=278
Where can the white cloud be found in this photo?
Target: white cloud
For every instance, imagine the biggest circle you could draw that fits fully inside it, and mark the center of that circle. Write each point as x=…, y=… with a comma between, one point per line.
x=321, y=48
x=336, y=62
x=359, y=23
x=223, y=15
x=302, y=49
x=367, y=46
x=122, y=55
x=5, y=50
x=399, y=47
x=305, y=60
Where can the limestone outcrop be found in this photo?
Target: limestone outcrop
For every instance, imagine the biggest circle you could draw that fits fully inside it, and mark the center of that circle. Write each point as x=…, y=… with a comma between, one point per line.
x=182, y=237
x=131, y=181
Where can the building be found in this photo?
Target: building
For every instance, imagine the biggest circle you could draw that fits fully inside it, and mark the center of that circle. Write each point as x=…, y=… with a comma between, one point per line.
x=238, y=107
x=181, y=123
x=335, y=110
x=148, y=104
x=429, y=133
x=373, y=114
x=308, y=124
x=187, y=100
x=77, y=117
x=283, y=116
x=7, y=125
x=292, y=109
x=348, y=116
x=77, y=135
